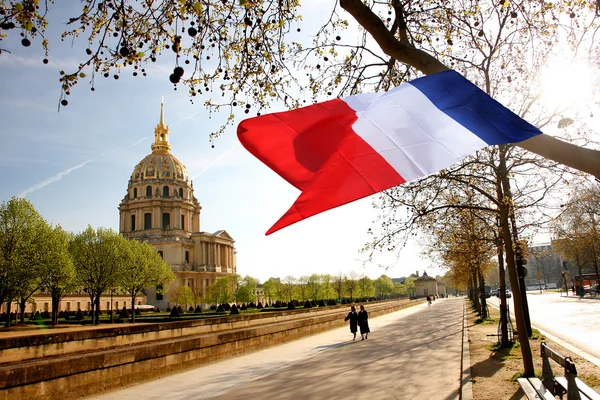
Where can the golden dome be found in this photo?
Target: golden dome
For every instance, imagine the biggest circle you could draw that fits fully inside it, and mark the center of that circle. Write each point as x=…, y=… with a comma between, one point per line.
x=160, y=164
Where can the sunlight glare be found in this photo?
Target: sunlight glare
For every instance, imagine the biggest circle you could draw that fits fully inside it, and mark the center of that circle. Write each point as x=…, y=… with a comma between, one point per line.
x=567, y=84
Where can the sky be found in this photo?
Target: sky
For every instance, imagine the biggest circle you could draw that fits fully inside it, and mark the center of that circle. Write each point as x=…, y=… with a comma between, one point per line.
x=74, y=165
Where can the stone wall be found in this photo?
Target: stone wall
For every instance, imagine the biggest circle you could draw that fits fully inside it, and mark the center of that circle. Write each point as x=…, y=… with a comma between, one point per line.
x=70, y=365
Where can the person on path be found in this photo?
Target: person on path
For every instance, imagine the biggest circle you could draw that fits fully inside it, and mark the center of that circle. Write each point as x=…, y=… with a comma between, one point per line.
x=363, y=322
x=353, y=317
x=428, y=301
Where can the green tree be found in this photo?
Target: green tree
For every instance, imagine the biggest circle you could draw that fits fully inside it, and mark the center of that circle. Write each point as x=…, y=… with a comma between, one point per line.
x=21, y=229
x=327, y=286
x=99, y=257
x=351, y=284
x=247, y=289
x=338, y=285
x=143, y=267
x=222, y=291
x=270, y=289
x=383, y=286
x=181, y=295
x=314, y=286
x=57, y=273
x=302, y=288
x=365, y=286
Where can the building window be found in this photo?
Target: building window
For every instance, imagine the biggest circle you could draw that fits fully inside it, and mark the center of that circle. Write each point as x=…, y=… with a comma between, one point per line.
x=133, y=222
x=183, y=222
x=116, y=305
x=107, y=305
x=78, y=305
x=147, y=221
x=148, y=191
x=166, y=221
x=134, y=193
x=187, y=256
x=180, y=192
x=160, y=253
x=68, y=306
x=159, y=288
x=166, y=191
x=46, y=309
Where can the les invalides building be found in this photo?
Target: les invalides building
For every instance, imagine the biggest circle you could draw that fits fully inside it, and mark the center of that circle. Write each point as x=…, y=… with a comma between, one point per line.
x=160, y=208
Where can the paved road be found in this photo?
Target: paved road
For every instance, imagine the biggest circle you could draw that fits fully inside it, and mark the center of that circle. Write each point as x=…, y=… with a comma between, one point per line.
x=574, y=320
x=413, y=353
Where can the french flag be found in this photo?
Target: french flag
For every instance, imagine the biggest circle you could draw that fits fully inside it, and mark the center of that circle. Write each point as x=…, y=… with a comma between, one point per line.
x=345, y=149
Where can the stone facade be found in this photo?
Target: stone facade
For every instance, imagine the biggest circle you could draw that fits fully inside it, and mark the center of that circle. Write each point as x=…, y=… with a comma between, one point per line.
x=160, y=209
x=426, y=285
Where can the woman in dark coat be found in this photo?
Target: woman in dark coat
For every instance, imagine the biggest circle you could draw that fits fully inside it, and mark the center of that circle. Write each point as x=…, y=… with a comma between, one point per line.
x=363, y=322
x=353, y=317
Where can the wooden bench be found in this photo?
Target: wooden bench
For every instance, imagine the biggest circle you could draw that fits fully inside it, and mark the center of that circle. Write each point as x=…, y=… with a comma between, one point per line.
x=550, y=386
x=534, y=389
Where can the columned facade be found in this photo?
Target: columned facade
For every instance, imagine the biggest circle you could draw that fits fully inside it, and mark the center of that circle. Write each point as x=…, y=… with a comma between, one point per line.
x=160, y=208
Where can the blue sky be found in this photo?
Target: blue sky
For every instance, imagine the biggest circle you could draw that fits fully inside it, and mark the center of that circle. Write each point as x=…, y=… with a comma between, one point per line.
x=74, y=166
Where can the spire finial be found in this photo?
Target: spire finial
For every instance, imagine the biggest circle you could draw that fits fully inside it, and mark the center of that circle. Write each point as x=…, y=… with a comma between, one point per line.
x=161, y=132
x=162, y=110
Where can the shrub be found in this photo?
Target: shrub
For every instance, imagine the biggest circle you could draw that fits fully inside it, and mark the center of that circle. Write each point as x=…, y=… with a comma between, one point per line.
x=296, y=303
x=174, y=313
x=244, y=308
x=259, y=305
x=138, y=311
x=213, y=307
x=79, y=315
x=168, y=309
x=61, y=314
x=124, y=314
x=331, y=302
x=198, y=310
x=191, y=309
x=313, y=303
x=290, y=306
x=220, y=308
x=234, y=310
x=321, y=303
x=251, y=305
x=226, y=306
x=180, y=310
x=46, y=315
x=307, y=304
x=277, y=304
x=156, y=309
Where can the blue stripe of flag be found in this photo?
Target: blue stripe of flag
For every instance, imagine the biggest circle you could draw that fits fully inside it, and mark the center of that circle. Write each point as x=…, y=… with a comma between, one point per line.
x=471, y=107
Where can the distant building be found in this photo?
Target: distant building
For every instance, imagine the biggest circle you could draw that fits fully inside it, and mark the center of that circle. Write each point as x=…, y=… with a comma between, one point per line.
x=426, y=285
x=160, y=209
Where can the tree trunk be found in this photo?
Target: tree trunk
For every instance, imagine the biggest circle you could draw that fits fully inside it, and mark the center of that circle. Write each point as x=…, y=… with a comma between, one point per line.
x=512, y=273
x=22, y=305
x=98, y=309
x=55, y=304
x=132, y=307
x=8, y=304
x=93, y=306
x=476, y=292
x=484, y=313
x=502, y=296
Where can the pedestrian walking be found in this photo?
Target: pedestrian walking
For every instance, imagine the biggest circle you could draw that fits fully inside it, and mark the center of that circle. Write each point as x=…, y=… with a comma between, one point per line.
x=353, y=317
x=428, y=301
x=363, y=322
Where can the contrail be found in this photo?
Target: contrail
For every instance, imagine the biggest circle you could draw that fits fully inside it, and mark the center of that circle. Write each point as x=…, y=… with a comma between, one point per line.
x=52, y=179
x=216, y=161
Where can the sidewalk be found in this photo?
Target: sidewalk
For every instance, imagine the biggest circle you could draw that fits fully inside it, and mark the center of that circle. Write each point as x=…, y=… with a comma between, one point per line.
x=412, y=353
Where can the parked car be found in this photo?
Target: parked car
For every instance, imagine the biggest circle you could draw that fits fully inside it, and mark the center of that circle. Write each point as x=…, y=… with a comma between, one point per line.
x=494, y=292
x=508, y=295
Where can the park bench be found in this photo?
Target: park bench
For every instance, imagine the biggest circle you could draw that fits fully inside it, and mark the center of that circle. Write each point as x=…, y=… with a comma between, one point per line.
x=551, y=386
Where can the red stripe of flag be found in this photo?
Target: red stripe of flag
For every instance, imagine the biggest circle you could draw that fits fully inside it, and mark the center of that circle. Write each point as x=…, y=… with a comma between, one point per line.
x=315, y=149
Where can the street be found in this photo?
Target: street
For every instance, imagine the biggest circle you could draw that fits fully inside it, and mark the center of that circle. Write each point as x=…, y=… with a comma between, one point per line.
x=574, y=320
